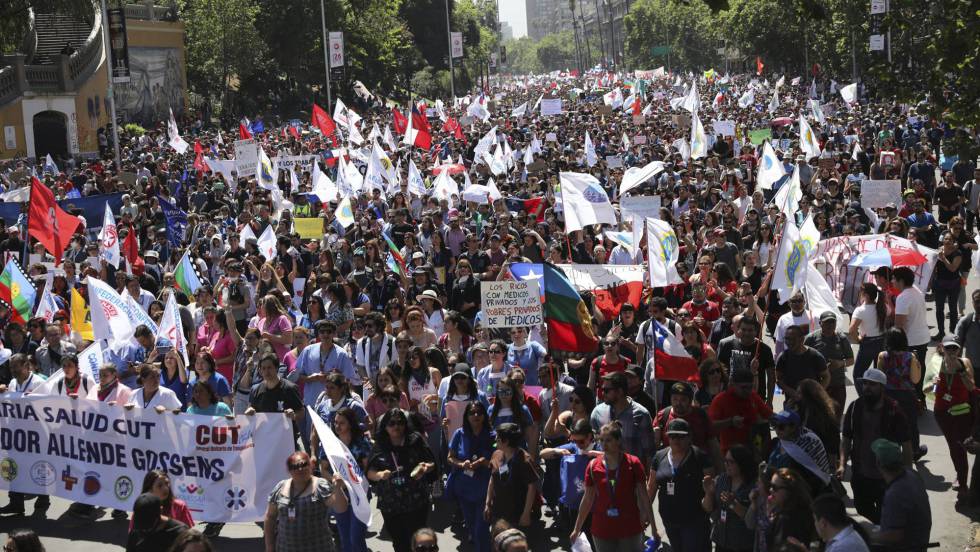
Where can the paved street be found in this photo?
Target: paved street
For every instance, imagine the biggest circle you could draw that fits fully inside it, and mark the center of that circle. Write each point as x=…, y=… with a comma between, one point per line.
x=62, y=533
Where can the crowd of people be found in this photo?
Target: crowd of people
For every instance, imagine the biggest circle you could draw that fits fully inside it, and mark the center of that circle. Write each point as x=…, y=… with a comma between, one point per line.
x=377, y=323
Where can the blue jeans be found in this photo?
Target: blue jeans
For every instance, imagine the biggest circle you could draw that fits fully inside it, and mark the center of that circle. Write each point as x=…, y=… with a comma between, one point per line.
x=353, y=532
x=476, y=525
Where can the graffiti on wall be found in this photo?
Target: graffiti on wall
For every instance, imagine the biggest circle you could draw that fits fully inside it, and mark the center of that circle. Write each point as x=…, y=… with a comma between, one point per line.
x=157, y=85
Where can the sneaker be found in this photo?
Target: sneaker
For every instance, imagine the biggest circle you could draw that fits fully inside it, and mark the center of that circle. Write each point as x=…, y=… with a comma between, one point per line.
x=923, y=450
x=119, y=514
x=939, y=336
x=212, y=530
x=12, y=509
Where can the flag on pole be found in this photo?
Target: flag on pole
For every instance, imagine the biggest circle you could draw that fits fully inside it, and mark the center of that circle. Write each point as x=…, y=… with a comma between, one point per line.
x=323, y=122
x=849, y=93
x=80, y=316
x=171, y=329
x=186, y=276
x=758, y=65
x=18, y=292
x=791, y=262
x=770, y=167
x=584, y=201
x=48, y=222
x=109, y=239
x=345, y=213
x=662, y=252
x=395, y=253
x=808, y=142
x=810, y=236
x=692, y=102
x=267, y=243
x=789, y=195
x=747, y=99
x=109, y=312
x=49, y=166
x=266, y=173
x=90, y=360
x=47, y=307
x=671, y=360
x=569, y=321
x=774, y=102
x=590, y=156
x=611, y=285
x=699, y=140
x=345, y=464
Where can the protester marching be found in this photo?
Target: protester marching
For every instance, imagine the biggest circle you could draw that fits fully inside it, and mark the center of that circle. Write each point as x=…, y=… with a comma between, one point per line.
x=620, y=310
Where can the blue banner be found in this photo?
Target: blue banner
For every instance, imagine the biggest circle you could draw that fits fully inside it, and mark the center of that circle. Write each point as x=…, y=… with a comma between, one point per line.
x=93, y=208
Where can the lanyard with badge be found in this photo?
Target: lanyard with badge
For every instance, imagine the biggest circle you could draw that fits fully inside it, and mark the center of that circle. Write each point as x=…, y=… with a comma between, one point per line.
x=611, y=480
x=291, y=509
x=26, y=385
x=673, y=473
x=398, y=479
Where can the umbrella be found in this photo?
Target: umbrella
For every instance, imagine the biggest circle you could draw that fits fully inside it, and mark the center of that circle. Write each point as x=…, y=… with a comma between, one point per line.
x=781, y=121
x=889, y=256
x=454, y=168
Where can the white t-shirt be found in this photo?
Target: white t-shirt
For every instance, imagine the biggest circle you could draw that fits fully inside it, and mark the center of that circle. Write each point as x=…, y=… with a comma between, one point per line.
x=163, y=397
x=869, y=320
x=784, y=322
x=912, y=304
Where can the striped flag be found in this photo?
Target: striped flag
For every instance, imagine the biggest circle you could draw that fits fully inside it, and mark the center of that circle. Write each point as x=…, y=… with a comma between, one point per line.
x=18, y=292
x=186, y=275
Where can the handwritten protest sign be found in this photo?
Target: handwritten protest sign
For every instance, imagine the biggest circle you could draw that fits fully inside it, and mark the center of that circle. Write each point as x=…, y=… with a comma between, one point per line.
x=508, y=304
x=551, y=106
x=246, y=157
x=878, y=193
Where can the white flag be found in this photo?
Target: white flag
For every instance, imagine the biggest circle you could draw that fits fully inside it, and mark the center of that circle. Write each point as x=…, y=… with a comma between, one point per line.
x=808, y=141
x=590, y=156
x=49, y=166
x=445, y=187
x=519, y=111
x=584, y=202
x=247, y=234
x=137, y=315
x=293, y=181
x=345, y=213
x=817, y=112
x=774, y=102
x=478, y=109
x=171, y=329
x=416, y=184
x=537, y=103
x=374, y=178
x=344, y=463
x=810, y=236
x=20, y=195
x=781, y=81
x=323, y=187
x=634, y=176
x=789, y=195
x=90, y=360
x=389, y=139
x=626, y=142
x=109, y=239
x=849, y=93
x=692, y=102
x=819, y=297
x=477, y=193
x=494, y=191
x=791, y=262
x=266, y=172
x=613, y=98
x=857, y=149
x=662, y=251
x=747, y=99
x=173, y=135
x=267, y=243
x=699, y=140
x=770, y=167
x=47, y=307
x=485, y=143
x=110, y=313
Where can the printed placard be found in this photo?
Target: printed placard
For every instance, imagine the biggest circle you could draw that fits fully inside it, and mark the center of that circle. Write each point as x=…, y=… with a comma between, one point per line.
x=878, y=193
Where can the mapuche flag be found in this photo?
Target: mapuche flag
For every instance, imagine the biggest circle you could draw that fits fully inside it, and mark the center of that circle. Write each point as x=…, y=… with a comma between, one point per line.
x=48, y=222
x=18, y=292
x=569, y=321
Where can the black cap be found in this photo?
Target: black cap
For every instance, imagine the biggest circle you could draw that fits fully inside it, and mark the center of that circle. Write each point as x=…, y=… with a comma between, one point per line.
x=681, y=388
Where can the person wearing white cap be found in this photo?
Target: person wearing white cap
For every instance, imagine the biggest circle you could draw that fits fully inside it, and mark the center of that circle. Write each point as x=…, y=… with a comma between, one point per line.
x=871, y=416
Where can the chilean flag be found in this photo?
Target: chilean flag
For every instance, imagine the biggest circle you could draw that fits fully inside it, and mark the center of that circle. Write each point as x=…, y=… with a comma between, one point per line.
x=243, y=132
x=671, y=361
x=611, y=285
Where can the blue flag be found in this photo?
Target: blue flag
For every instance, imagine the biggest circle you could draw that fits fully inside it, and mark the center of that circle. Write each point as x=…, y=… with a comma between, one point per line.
x=257, y=126
x=176, y=221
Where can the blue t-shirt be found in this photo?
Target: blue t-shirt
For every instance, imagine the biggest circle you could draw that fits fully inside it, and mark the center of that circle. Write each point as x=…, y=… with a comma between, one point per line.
x=510, y=417
x=217, y=382
x=178, y=387
x=528, y=359
x=466, y=446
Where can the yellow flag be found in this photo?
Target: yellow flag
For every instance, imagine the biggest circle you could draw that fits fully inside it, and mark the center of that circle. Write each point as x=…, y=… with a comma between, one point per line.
x=309, y=228
x=81, y=317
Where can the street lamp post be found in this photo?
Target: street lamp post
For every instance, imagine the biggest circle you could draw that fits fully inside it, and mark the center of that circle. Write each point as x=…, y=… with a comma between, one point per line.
x=326, y=53
x=452, y=70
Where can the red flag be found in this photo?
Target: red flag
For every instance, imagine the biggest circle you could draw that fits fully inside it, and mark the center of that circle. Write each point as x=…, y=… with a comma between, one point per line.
x=533, y=207
x=420, y=121
x=198, y=149
x=422, y=139
x=637, y=105
x=243, y=133
x=199, y=165
x=49, y=223
x=294, y=132
x=452, y=126
x=400, y=121
x=131, y=250
x=323, y=121
x=758, y=65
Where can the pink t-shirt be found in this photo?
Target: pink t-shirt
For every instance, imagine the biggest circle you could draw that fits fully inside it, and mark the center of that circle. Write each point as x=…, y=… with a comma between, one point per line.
x=280, y=326
x=224, y=347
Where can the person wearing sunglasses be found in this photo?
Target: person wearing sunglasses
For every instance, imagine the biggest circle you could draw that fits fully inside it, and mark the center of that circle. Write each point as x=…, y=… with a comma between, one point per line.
x=314, y=363
x=298, y=516
x=470, y=449
x=489, y=376
x=424, y=540
x=800, y=449
x=785, y=504
x=401, y=469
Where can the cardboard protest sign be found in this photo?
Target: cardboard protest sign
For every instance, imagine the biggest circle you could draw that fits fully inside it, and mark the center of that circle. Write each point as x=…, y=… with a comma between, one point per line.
x=507, y=304
x=878, y=193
